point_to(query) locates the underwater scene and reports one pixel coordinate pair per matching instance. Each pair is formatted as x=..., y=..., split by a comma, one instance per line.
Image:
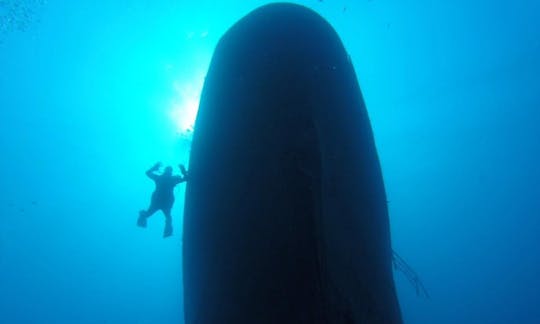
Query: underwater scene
x=316, y=161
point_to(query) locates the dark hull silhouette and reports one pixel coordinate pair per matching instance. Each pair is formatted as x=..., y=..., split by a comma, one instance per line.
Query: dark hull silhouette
x=285, y=217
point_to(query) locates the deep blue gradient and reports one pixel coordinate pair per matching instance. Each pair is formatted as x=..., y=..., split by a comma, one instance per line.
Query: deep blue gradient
x=92, y=93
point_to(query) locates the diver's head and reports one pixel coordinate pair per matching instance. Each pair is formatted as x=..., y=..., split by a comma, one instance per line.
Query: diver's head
x=168, y=171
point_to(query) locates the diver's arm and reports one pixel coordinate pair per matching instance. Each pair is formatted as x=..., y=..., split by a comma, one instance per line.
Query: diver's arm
x=150, y=172
x=181, y=178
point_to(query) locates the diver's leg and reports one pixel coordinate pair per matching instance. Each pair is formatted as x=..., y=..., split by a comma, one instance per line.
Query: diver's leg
x=168, y=223
x=144, y=214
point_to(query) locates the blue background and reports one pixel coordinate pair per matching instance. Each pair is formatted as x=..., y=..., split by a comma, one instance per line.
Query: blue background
x=92, y=93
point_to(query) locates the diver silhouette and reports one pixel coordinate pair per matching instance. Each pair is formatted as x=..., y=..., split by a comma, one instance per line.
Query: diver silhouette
x=163, y=195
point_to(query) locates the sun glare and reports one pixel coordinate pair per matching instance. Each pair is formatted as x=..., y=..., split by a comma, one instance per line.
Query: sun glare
x=185, y=104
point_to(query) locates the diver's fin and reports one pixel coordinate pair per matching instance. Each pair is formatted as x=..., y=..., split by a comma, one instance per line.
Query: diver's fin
x=141, y=221
x=168, y=231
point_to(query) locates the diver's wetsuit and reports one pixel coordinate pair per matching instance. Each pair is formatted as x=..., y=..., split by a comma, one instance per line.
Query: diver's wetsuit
x=162, y=198
x=163, y=195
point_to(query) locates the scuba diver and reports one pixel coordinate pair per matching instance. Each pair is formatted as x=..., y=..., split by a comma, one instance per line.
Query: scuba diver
x=163, y=195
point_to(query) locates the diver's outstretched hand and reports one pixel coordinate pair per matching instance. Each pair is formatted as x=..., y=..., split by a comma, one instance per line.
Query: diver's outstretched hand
x=156, y=166
x=183, y=169
x=184, y=172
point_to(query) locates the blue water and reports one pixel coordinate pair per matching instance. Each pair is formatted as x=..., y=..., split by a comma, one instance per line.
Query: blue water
x=92, y=93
